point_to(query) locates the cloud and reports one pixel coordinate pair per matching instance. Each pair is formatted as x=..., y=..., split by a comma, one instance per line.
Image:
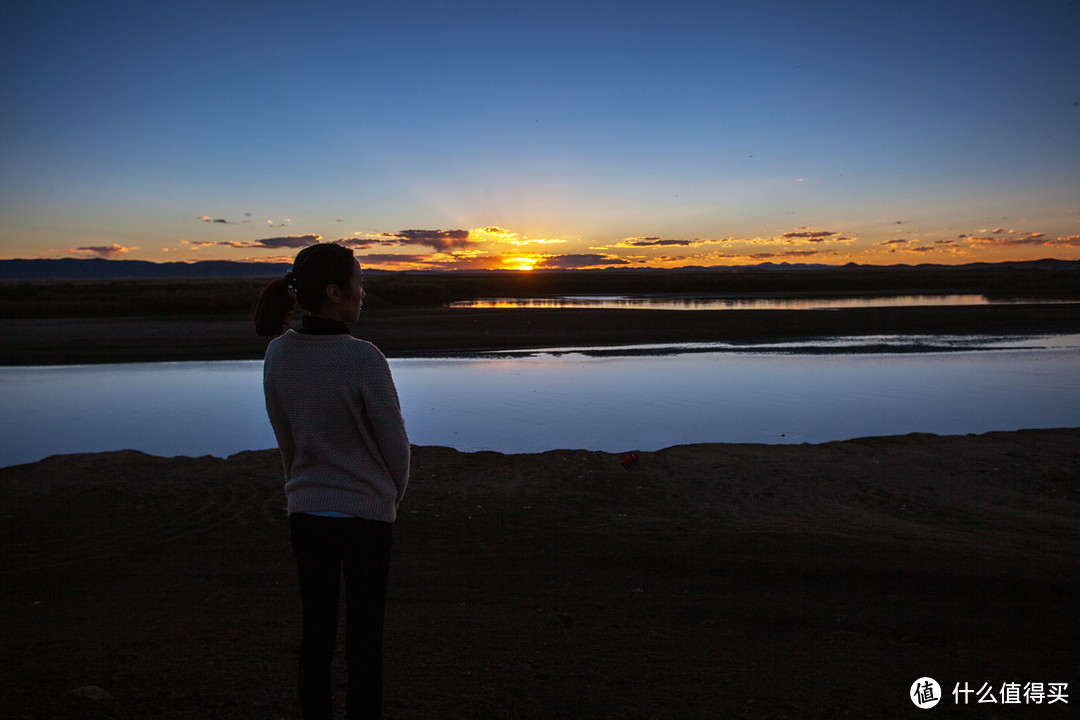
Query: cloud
x=288, y=241
x=657, y=242
x=444, y=240
x=275, y=243
x=640, y=242
x=470, y=261
x=366, y=242
x=911, y=245
x=785, y=254
x=537, y=241
x=220, y=221
x=279, y=259
x=494, y=232
x=810, y=236
x=102, y=251
x=441, y=240
x=432, y=261
x=199, y=243
x=394, y=259
x=576, y=261
x=998, y=238
x=799, y=236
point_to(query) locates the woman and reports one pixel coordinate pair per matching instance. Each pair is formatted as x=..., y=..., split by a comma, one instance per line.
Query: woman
x=337, y=419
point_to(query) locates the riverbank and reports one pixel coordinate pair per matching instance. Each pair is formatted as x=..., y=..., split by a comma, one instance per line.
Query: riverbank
x=704, y=581
x=410, y=331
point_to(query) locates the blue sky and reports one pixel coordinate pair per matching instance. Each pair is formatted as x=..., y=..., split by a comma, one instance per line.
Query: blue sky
x=547, y=134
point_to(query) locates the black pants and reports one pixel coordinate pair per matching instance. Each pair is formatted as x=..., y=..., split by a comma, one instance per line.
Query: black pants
x=324, y=548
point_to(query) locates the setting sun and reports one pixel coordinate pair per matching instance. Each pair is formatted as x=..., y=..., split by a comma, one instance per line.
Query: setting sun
x=521, y=262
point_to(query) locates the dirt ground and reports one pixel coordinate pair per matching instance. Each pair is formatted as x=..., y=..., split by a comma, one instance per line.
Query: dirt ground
x=707, y=581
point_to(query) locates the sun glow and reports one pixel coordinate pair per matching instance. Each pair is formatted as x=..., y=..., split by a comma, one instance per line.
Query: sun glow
x=494, y=233
x=521, y=262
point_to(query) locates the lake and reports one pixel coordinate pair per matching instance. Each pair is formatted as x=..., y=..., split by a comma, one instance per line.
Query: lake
x=639, y=398
x=742, y=302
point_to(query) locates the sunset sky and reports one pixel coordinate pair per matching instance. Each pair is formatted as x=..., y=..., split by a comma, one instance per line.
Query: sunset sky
x=542, y=134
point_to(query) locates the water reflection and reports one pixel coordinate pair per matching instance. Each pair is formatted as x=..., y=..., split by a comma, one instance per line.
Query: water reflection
x=565, y=398
x=815, y=346
x=676, y=302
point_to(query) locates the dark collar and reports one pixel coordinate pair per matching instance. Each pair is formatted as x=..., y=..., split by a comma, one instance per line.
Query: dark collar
x=313, y=325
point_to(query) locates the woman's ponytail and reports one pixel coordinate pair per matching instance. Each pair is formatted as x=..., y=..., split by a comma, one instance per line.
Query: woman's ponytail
x=315, y=268
x=275, y=308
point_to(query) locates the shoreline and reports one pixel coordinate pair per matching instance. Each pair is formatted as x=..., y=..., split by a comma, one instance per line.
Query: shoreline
x=414, y=331
x=710, y=580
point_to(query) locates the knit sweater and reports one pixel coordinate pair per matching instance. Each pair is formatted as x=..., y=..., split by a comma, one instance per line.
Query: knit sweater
x=337, y=419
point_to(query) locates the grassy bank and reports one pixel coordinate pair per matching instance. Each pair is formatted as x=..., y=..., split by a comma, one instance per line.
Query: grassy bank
x=237, y=298
x=407, y=331
x=132, y=321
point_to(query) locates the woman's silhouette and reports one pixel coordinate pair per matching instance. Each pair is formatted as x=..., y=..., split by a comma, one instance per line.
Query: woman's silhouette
x=337, y=420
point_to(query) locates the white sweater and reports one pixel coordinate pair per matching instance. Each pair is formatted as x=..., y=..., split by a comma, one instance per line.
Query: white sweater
x=337, y=419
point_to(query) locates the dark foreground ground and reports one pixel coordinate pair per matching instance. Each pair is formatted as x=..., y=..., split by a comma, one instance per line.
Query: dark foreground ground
x=711, y=581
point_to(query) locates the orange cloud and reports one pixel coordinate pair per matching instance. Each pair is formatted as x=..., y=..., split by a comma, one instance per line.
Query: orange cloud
x=537, y=241
x=501, y=261
x=445, y=241
x=809, y=236
x=440, y=240
x=643, y=242
x=803, y=236
x=366, y=242
x=911, y=245
x=785, y=254
x=275, y=243
x=579, y=261
x=1031, y=238
x=102, y=251
x=495, y=233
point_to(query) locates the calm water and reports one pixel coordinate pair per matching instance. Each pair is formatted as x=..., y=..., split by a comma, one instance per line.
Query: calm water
x=675, y=302
x=572, y=398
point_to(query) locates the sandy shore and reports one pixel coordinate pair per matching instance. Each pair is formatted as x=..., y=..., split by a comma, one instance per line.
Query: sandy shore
x=792, y=581
x=45, y=341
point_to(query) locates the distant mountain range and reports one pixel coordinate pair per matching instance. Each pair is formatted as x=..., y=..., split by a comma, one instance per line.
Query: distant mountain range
x=99, y=269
